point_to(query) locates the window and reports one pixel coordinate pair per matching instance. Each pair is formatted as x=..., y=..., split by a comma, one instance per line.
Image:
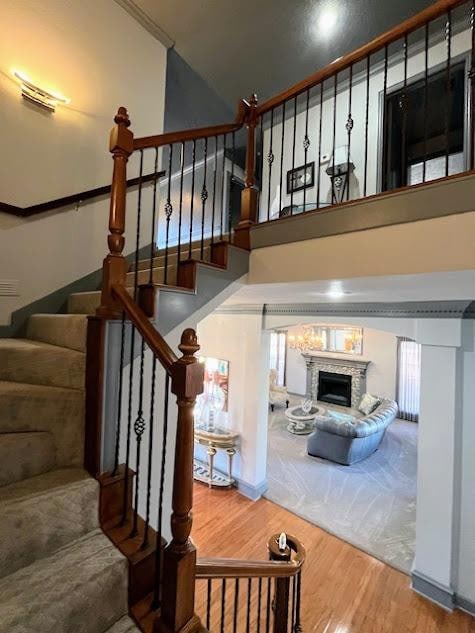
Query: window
x=408, y=379
x=420, y=132
x=278, y=345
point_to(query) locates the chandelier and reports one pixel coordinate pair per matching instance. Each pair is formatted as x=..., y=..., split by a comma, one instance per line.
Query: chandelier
x=309, y=341
x=343, y=339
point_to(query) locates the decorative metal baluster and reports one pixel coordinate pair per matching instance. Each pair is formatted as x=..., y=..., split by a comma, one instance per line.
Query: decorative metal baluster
x=150, y=452
x=472, y=86
x=223, y=603
x=231, y=185
x=448, y=40
x=268, y=605
x=192, y=201
x=282, y=139
x=306, y=144
x=270, y=161
x=236, y=604
x=293, y=155
x=208, y=604
x=426, y=97
x=223, y=189
x=366, y=128
x=248, y=614
x=385, y=122
x=119, y=396
x=137, y=235
x=403, y=105
x=259, y=605
x=292, y=608
x=319, y=146
x=349, y=127
x=180, y=203
x=158, y=550
x=154, y=217
x=261, y=162
x=297, y=625
x=139, y=428
x=168, y=211
x=335, y=89
x=214, y=187
x=204, y=197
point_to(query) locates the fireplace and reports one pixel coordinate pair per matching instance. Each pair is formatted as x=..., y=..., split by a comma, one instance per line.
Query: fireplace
x=334, y=388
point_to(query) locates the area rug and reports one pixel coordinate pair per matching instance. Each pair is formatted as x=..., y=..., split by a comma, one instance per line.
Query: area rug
x=371, y=504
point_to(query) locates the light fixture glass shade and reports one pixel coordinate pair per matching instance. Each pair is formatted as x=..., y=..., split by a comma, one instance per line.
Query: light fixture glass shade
x=36, y=94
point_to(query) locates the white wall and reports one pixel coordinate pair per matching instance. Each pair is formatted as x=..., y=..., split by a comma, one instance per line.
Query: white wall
x=378, y=347
x=97, y=55
x=461, y=43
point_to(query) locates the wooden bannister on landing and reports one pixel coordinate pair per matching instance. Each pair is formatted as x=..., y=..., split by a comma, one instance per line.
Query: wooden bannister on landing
x=436, y=10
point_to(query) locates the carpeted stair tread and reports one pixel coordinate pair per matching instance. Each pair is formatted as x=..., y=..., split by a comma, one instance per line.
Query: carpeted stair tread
x=34, y=362
x=124, y=625
x=44, y=513
x=81, y=588
x=59, y=411
x=65, y=330
x=25, y=455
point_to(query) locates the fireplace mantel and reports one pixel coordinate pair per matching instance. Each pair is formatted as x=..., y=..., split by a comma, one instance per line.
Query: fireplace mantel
x=356, y=368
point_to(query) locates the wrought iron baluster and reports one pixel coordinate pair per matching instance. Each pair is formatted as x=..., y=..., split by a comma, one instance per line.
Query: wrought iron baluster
x=119, y=396
x=403, y=102
x=137, y=235
x=180, y=203
x=236, y=604
x=268, y=604
x=231, y=185
x=248, y=614
x=208, y=603
x=192, y=200
x=282, y=140
x=365, y=186
x=158, y=550
x=214, y=187
x=154, y=217
x=204, y=197
x=306, y=144
x=293, y=155
x=223, y=603
x=349, y=128
x=335, y=90
x=150, y=452
x=385, y=122
x=426, y=99
x=139, y=428
x=125, y=499
x=319, y=146
x=292, y=608
x=472, y=87
x=448, y=39
x=297, y=625
x=259, y=605
x=270, y=161
x=168, y=211
x=223, y=189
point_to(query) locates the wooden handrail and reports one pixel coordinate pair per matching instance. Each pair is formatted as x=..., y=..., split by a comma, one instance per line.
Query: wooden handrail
x=411, y=24
x=58, y=203
x=233, y=568
x=152, y=337
x=197, y=133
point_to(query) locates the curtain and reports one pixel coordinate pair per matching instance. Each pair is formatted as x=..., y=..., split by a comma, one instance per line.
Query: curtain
x=408, y=379
x=278, y=346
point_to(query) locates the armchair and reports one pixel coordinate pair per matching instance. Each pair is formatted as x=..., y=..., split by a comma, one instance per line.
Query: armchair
x=277, y=394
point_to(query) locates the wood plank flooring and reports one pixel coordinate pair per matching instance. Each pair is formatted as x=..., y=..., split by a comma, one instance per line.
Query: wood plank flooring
x=344, y=590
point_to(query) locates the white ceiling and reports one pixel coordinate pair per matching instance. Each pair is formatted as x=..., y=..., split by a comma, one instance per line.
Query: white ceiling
x=265, y=46
x=396, y=288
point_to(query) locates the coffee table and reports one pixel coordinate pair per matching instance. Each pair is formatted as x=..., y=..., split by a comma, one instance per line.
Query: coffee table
x=302, y=423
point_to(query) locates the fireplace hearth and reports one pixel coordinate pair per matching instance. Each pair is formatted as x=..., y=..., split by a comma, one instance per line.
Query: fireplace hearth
x=334, y=388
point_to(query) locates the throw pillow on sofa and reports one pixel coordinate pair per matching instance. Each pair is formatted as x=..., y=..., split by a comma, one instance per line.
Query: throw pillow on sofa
x=368, y=404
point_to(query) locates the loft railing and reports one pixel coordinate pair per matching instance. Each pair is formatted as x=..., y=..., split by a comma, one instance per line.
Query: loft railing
x=395, y=113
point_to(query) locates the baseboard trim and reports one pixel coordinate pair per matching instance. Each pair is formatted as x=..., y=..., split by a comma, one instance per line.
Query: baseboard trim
x=252, y=492
x=434, y=591
x=465, y=605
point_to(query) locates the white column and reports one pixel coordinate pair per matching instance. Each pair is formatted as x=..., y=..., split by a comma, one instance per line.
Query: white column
x=439, y=418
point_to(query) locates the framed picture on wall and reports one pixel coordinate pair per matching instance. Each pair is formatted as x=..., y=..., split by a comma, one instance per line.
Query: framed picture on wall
x=301, y=178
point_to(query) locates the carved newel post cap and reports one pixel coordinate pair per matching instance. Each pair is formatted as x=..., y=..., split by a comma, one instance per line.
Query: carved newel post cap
x=122, y=117
x=189, y=344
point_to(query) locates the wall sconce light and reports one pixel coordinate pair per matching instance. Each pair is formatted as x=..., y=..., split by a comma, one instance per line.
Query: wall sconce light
x=340, y=170
x=39, y=96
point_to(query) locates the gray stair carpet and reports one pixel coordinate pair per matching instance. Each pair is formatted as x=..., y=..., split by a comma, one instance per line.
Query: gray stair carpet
x=58, y=572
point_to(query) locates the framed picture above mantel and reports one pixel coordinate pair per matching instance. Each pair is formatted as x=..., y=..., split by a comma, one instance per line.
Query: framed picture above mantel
x=342, y=339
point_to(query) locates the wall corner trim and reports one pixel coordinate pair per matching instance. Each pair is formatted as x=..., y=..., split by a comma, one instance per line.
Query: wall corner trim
x=252, y=492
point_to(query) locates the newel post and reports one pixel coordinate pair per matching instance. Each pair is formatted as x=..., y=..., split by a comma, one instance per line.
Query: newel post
x=250, y=194
x=179, y=558
x=279, y=550
x=115, y=265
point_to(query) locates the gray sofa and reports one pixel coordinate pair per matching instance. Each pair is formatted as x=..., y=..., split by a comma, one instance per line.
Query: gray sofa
x=349, y=439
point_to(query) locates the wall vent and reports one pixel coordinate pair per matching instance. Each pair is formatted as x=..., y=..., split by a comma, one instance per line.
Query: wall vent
x=9, y=288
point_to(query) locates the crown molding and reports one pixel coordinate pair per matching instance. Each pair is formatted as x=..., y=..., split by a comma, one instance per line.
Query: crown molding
x=146, y=21
x=458, y=309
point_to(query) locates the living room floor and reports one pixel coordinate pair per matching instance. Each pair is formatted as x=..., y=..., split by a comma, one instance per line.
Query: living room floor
x=371, y=504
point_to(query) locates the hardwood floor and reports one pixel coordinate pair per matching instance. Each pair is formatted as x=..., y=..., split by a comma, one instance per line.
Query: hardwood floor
x=344, y=590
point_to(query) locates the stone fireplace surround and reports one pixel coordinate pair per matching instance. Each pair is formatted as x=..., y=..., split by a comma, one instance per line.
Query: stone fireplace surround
x=348, y=366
